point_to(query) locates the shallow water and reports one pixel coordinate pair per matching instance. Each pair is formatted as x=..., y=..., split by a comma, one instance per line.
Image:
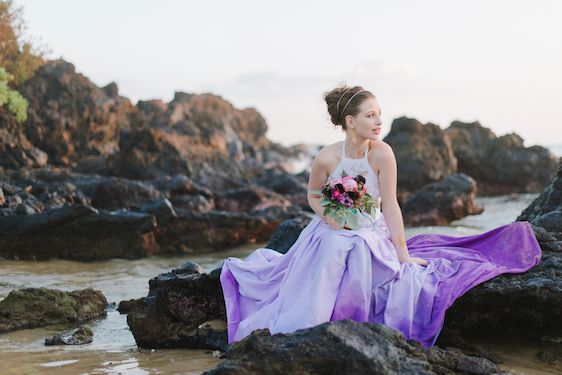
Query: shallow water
x=113, y=349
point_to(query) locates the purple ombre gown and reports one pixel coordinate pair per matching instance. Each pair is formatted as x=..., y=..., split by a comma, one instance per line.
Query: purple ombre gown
x=355, y=274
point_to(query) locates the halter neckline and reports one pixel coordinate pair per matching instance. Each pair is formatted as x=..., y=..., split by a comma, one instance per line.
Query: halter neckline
x=344, y=157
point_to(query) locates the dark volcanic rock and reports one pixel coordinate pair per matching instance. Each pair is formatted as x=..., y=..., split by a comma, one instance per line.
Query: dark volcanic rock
x=525, y=304
x=151, y=153
x=80, y=336
x=160, y=226
x=423, y=153
x=200, y=232
x=292, y=187
x=125, y=307
x=40, y=189
x=248, y=199
x=344, y=347
x=77, y=233
x=73, y=122
x=184, y=309
x=286, y=233
x=201, y=136
x=546, y=209
x=162, y=209
x=36, y=307
x=16, y=151
x=209, y=119
x=117, y=193
x=69, y=116
x=500, y=165
x=441, y=202
x=184, y=193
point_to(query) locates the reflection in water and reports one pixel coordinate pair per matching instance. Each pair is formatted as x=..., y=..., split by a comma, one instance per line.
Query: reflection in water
x=113, y=349
x=165, y=361
x=58, y=363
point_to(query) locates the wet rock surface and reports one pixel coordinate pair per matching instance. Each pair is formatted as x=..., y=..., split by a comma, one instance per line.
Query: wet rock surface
x=78, y=233
x=439, y=203
x=345, y=347
x=80, y=336
x=526, y=304
x=36, y=307
x=183, y=309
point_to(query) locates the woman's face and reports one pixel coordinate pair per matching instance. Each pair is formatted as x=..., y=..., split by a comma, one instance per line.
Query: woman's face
x=367, y=123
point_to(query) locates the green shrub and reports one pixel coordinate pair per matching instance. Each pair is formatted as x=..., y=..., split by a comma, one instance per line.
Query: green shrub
x=11, y=98
x=18, y=56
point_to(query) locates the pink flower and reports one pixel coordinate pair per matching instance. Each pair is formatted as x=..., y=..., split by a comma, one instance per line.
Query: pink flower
x=349, y=183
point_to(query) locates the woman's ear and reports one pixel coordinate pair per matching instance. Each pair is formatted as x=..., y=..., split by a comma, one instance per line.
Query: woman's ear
x=348, y=121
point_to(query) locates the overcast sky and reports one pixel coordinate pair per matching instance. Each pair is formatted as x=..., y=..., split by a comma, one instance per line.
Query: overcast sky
x=497, y=62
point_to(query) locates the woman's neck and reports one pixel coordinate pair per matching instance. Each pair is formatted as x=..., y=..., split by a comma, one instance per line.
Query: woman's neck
x=356, y=150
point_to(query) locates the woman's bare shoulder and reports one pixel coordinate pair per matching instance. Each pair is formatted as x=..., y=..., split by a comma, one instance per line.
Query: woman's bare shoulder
x=380, y=154
x=328, y=153
x=380, y=149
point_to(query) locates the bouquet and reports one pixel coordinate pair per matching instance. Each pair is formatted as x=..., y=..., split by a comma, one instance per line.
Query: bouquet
x=346, y=199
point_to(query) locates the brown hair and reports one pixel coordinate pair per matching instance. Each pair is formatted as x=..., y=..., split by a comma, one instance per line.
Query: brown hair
x=345, y=107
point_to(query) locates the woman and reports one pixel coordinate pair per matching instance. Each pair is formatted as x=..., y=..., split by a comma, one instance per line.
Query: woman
x=370, y=273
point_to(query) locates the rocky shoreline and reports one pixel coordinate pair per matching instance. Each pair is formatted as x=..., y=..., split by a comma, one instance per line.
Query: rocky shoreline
x=90, y=176
x=524, y=305
x=198, y=175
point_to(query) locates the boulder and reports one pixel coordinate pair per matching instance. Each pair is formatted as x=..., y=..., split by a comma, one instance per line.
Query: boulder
x=201, y=136
x=118, y=193
x=192, y=232
x=69, y=116
x=77, y=233
x=525, y=304
x=37, y=307
x=424, y=154
x=500, y=165
x=249, y=199
x=80, y=336
x=439, y=203
x=293, y=187
x=183, y=309
x=545, y=210
x=125, y=307
x=286, y=233
x=344, y=347
x=185, y=193
x=16, y=151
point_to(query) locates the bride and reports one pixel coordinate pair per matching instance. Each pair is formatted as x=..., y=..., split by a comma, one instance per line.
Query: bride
x=370, y=273
x=360, y=116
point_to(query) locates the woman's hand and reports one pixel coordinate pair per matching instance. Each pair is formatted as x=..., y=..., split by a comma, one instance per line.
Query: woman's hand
x=416, y=260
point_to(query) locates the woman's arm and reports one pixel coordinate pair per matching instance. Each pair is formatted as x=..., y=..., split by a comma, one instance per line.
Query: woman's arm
x=316, y=180
x=390, y=208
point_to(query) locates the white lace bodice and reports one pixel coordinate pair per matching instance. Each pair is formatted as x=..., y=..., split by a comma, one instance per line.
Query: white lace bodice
x=354, y=167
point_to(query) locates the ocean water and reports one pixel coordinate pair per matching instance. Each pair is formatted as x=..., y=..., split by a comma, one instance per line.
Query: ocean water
x=555, y=149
